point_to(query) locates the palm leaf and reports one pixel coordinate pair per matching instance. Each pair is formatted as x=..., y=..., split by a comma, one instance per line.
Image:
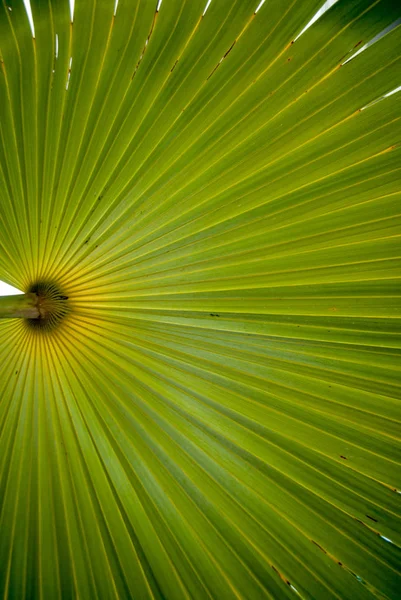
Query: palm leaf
x=216, y=413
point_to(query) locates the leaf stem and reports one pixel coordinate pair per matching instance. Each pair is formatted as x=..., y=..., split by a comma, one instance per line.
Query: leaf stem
x=19, y=306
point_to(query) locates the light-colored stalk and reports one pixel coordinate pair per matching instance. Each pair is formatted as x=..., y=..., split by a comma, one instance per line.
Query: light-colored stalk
x=19, y=306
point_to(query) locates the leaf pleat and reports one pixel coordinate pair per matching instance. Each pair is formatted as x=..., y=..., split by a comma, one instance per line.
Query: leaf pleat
x=218, y=413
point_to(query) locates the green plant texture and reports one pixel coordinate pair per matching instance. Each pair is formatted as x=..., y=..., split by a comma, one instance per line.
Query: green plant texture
x=207, y=207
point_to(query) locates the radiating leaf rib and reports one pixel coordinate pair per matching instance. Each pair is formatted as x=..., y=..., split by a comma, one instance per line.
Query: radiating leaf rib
x=217, y=413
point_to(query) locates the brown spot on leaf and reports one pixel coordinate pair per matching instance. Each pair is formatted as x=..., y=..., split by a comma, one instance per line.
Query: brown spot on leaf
x=372, y=518
x=146, y=44
x=319, y=546
x=230, y=48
